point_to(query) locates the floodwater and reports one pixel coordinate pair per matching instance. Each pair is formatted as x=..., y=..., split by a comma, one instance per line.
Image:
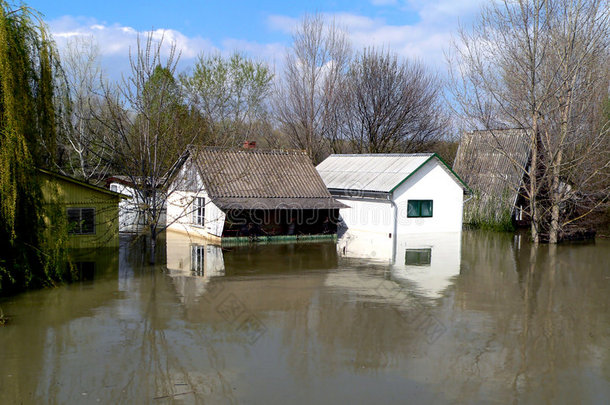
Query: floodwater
x=467, y=318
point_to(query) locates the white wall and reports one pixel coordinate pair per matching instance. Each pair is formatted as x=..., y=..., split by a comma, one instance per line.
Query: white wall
x=129, y=221
x=180, y=209
x=431, y=182
x=365, y=245
x=368, y=216
x=428, y=279
x=433, y=279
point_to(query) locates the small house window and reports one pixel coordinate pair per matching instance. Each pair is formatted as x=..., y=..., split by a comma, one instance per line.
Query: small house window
x=81, y=221
x=419, y=208
x=418, y=257
x=199, y=212
x=114, y=187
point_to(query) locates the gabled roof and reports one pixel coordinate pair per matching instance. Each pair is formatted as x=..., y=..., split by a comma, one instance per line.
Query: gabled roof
x=81, y=183
x=492, y=159
x=265, y=179
x=493, y=163
x=376, y=172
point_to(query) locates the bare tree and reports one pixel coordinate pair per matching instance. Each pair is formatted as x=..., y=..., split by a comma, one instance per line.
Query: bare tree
x=86, y=158
x=152, y=130
x=308, y=101
x=231, y=94
x=391, y=105
x=541, y=64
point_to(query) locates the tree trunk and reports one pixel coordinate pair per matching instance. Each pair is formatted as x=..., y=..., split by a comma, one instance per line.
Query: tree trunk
x=152, y=254
x=533, y=174
x=555, y=200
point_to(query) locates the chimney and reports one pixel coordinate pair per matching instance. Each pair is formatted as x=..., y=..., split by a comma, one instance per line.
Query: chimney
x=249, y=144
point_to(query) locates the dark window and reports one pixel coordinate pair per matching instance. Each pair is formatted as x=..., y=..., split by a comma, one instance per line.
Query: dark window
x=419, y=208
x=199, y=213
x=418, y=257
x=81, y=221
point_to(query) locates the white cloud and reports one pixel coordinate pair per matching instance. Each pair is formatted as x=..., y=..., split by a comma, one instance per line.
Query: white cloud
x=426, y=39
x=116, y=41
x=282, y=23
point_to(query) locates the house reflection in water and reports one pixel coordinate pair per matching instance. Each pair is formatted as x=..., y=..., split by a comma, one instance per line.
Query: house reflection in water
x=192, y=262
x=426, y=263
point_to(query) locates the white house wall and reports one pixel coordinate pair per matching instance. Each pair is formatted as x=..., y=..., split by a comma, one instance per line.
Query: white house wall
x=180, y=215
x=128, y=210
x=368, y=216
x=365, y=245
x=431, y=182
x=429, y=279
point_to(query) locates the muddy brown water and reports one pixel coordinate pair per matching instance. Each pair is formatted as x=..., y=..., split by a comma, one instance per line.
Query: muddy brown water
x=471, y=318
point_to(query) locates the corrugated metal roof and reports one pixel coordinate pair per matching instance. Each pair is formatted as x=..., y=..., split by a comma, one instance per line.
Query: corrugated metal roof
x=369, y=172
x=492, y=162
x=268, y=179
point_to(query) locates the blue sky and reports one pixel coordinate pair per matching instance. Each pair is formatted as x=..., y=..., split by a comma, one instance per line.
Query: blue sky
x=411, y=28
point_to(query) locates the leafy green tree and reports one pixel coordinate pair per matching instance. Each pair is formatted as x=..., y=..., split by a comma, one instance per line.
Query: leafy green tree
x=231, y=94
x=29, y=70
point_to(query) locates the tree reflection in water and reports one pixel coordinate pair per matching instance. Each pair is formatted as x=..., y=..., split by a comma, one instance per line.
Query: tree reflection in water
x=478, y=317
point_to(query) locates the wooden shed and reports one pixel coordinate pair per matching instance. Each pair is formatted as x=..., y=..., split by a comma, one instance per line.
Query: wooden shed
x=493, y=163
x=92, y=212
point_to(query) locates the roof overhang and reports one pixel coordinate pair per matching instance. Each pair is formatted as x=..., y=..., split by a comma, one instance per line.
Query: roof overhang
x=270, y=204
x=358, y=194
x=445, y=167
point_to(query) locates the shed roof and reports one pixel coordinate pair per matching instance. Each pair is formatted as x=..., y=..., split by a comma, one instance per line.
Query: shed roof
x=375, y=172
x=81, y=183
x=493, y=164
x=263, y=179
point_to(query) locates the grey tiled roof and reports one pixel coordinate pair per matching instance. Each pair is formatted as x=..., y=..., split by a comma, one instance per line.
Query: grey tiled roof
x=265, y=179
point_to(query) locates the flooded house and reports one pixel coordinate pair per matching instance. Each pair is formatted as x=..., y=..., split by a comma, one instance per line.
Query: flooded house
x=92, y=212
x=493, y=163
x=241, y=195
x=395, y=194
x=131, y=217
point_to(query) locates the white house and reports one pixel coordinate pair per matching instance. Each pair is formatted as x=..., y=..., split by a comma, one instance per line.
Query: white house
x=228, y=193
x=131, y=218
x=395, y=193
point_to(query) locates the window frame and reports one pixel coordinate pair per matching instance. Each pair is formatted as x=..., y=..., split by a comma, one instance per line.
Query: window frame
x=422, y=256
x=199, y=211
x=79, y=224
x=418, y=204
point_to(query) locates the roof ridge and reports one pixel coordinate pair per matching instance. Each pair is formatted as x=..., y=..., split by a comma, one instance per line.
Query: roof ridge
x=255, y=150
x=383, y=154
